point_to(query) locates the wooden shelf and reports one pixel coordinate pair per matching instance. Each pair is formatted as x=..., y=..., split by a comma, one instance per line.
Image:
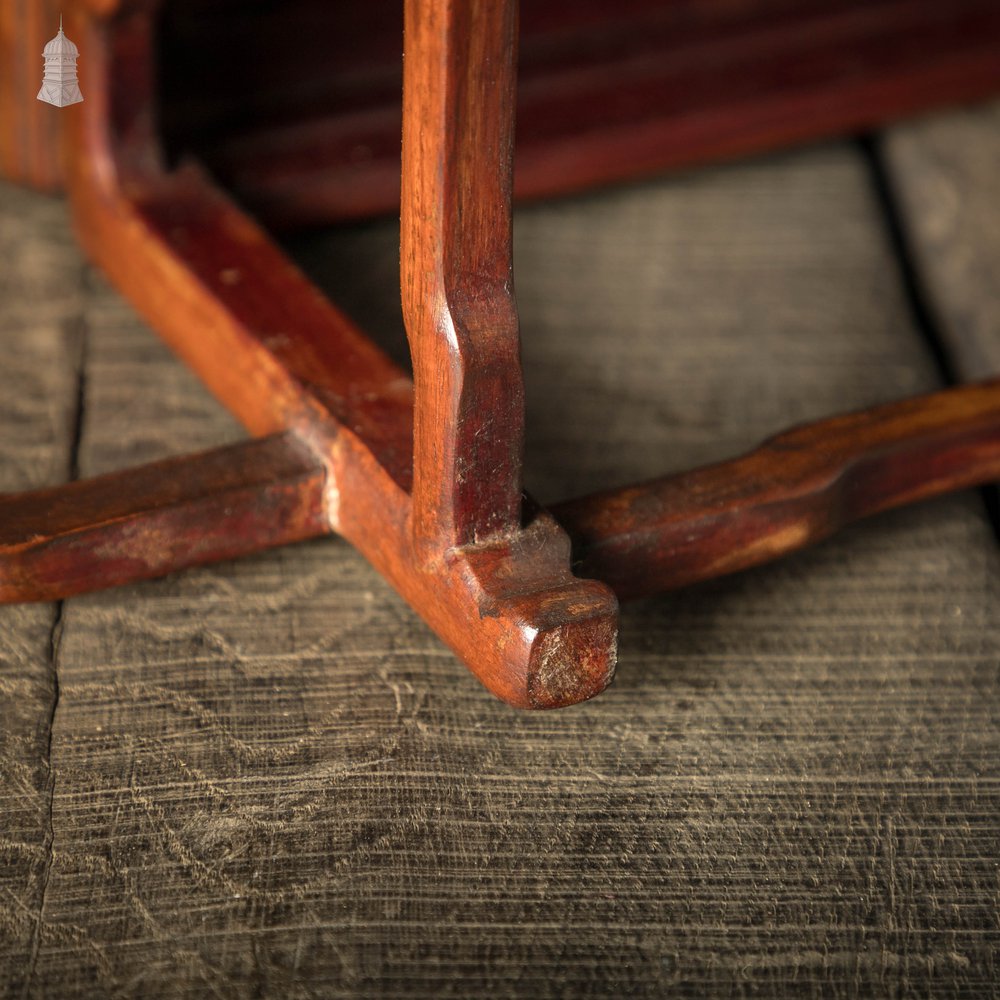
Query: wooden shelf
x=296, y=107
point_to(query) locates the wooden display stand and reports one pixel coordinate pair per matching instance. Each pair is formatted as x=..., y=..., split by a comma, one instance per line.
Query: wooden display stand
x=424, y=476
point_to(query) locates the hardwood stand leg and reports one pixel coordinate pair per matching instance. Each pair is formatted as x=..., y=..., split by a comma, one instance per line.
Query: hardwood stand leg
x=459, y=98
x=425, y=480
x=456, y=270
x=285, y=360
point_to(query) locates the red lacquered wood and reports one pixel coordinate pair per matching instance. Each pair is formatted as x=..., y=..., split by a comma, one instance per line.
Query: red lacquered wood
x=607, y=91
x=340, y=414
x=456, y=271
x=165, y=516
x=794, y=490
x=282, y=358
x=756, y=77
x=265, y=340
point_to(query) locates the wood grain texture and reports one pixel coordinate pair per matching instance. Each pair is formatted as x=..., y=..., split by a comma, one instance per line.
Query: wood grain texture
x=172, y=238
x=457, y=283
x=159, y=518
x=283, y=358
x=42, y=332
x=271, y=778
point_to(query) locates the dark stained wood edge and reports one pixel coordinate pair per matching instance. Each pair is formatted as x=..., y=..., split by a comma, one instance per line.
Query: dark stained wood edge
x=796, y=489
x=161, y=517
x=606, y=94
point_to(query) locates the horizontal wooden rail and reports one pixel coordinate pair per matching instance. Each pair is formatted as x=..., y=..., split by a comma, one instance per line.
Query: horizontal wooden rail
x=165, y=516
x=795, y=489
x=606, y=90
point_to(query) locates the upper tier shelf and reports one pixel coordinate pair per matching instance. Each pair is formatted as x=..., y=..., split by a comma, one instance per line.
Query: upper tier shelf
x=296, y=106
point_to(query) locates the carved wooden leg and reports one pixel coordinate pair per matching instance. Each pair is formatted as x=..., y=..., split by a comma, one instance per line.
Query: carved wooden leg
x=458, y=302
x=283, y=359
x=456, y=270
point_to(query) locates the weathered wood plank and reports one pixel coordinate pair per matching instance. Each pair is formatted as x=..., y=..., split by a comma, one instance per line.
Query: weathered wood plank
x=946, y=175
x=41, y=332
x=273, y=779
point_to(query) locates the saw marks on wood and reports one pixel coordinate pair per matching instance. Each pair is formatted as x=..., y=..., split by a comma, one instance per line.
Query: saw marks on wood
x=42, y=334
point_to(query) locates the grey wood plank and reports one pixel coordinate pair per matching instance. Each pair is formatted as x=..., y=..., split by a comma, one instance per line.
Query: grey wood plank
x=946, y=174
x=273, y=780
x=41, y=335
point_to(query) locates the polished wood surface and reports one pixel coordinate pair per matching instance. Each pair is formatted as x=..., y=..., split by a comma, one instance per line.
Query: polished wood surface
x=457, y=273
x=144, y=522
x=606, y=92
x=426, y=478
x=792, y=491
